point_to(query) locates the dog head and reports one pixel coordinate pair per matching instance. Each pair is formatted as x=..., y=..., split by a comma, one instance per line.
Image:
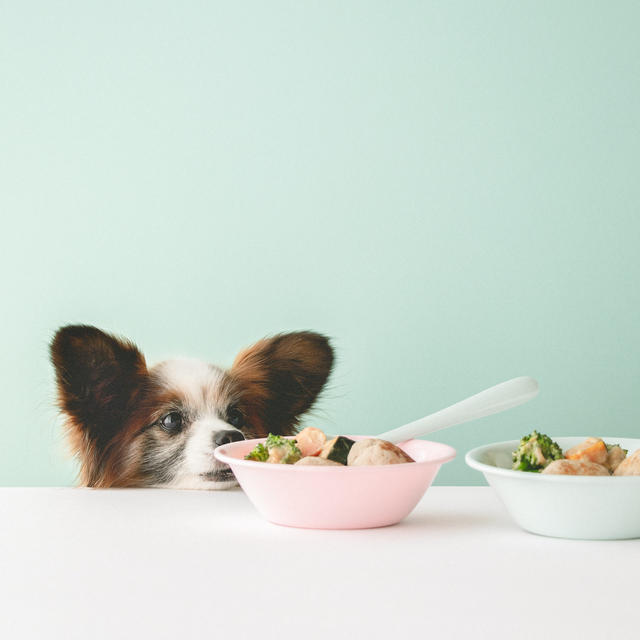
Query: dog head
x=131, y=425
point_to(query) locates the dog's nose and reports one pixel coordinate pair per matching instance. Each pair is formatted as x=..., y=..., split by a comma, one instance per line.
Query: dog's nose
x=225, y=437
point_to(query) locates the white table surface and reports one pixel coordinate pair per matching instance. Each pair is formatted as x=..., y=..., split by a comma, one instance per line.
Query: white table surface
x=81, y=563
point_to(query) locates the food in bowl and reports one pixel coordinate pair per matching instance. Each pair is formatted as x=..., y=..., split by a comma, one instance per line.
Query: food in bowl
x=276, y=450
x=322, y=494
x=588, y=507
x=311, y=441
x=337, y=449
x=535, y=452
x=538, y=453
x=575, y=468
x=629, y=466
x=376, y=451
x=311, y=448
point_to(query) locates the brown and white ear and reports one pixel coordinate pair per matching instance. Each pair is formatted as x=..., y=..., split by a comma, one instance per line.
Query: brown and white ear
x=98, y=376
x=280, y=378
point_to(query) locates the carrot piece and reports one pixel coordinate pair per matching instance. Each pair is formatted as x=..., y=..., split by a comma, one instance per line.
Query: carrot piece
x=592, y=449
x=310, y=441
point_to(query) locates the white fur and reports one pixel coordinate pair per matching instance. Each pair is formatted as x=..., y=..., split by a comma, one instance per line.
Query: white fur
x=198, y=385
x=199, y=448
x=195, y=380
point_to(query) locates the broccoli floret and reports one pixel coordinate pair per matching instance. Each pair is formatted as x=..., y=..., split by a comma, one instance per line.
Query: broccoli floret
x=276, y=449
x=282, y=450
x=259, y=453
x=276, y=441
x=535, y=452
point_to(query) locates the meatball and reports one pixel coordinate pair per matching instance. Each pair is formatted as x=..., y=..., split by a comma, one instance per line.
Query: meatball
x=629, y=466
x=372, y=451
x=615, y=456
x=575, y=468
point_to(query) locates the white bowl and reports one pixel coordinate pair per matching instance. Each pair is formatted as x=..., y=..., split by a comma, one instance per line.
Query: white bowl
x=582, y=507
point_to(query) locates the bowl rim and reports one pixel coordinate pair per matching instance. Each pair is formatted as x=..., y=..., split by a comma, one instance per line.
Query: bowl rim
x=471, y=459
x=221, y=455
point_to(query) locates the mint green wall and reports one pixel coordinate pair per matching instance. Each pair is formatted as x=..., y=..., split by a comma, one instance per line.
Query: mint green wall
x=451, y=190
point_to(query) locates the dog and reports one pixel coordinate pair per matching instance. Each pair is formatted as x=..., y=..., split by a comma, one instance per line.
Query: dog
x=130, y=425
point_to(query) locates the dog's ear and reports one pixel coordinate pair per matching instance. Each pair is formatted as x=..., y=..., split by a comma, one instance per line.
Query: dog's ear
x=281, y=377
x=97, y=375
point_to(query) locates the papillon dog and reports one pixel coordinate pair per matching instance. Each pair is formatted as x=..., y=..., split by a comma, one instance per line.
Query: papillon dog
x=131, y=425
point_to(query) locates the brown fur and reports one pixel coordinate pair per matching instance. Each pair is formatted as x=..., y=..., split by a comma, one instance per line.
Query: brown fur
x=281, y=378
x=110, y=398
x=100, y=379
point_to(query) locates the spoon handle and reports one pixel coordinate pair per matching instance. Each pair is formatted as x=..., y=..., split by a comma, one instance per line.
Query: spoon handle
x=493, y=400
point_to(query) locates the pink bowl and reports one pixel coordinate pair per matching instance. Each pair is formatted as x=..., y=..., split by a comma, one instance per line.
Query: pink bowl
x=336, y=497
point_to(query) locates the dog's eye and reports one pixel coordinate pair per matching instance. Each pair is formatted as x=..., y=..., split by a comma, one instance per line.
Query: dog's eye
x=235, y=418
x=172, y=422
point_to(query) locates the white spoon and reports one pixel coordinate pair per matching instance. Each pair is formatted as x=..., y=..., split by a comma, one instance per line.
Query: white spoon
x=493, y=400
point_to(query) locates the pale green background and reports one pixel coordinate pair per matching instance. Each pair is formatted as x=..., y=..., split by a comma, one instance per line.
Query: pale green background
x=450, y=190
